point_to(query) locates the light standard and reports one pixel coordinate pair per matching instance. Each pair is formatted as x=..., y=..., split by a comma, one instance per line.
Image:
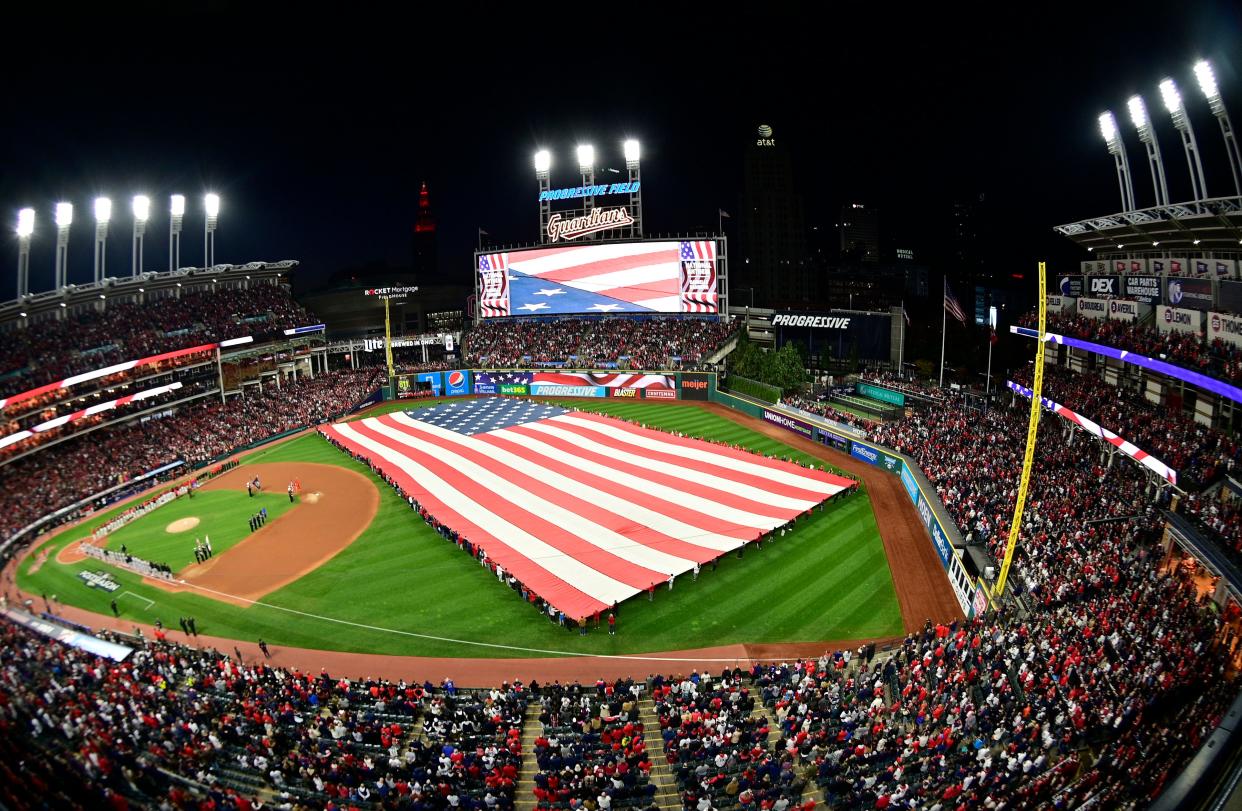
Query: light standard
x=586, y=164
x=25, y=227
x=1108, y=128
x=1173, y=103
x=103, y=213
x=174, y=231
x=632, y=152
x=64, y=219
x=543, y=167
x=211, y=204
x=142, y=211
x=1142, y=123
x=1207, y=83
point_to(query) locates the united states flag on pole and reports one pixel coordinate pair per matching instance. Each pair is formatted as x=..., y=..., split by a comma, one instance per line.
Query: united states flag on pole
x=584, y=509
x=494, y=285
x=951, y=304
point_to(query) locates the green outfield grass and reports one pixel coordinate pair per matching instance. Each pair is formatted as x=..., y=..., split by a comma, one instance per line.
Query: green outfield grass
x=224, y=515
x=400, y=582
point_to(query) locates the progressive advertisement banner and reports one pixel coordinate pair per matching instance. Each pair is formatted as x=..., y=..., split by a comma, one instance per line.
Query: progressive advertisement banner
x=1195, y=294
x=1224, y=327
x=1175, y=319
x=883, y=395
x=694, y=386
x=557, y=390
x=836, y=333
x=789, y=423
x=1093, y=308
x=1143, y=288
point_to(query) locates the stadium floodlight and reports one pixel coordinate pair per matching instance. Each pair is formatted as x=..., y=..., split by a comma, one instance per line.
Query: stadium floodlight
x=1207, y=83
x=25, y=229
x=103, y=213
x=64, y=219
x=586, y=157
x=631, y=151
x=211, y=205
x=1177, y=111
x=543, y=162
x=142, y=212
x=177, y=210
x=1117, y=148
x=632, y=154
x=1147, y=135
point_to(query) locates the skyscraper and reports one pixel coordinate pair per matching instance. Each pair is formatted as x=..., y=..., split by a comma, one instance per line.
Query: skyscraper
x=860, y=233
x=425, y=265
x=773, y=223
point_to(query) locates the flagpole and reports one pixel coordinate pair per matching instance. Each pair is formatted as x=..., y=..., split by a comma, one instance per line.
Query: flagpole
x=944, y=312
x=988, y=387
x=901, y=344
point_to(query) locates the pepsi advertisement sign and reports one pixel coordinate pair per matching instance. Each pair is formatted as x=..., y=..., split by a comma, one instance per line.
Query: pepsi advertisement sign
x=457, y=383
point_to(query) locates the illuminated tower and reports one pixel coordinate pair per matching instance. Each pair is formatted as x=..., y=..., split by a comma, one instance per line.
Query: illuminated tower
x=425, y=260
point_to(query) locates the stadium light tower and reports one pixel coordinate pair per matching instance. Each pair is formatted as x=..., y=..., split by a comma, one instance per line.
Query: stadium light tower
x=1147, y=135
x=1108, y=128
x=25, y=228
x=174, y=230
x=586, y=164
x=1173, y=103
x=142, y=212
x=211, y=204
x=64, y=219
x=632, y=153
x=1207, y=83
x=103, y=213
x=543, y=169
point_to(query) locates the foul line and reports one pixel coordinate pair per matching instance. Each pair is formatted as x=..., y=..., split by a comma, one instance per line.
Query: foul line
x=140, y=597
x=456, y=641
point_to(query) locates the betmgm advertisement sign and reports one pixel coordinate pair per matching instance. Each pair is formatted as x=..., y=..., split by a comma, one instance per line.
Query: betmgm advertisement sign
x=837, y=334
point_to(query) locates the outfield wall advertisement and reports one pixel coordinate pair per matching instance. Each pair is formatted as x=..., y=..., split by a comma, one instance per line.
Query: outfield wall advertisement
x=694, y=386
x=883, y=395
x=790, y=423
x=874, y=455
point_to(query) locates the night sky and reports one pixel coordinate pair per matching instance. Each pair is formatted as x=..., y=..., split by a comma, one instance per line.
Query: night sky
x=317, y=131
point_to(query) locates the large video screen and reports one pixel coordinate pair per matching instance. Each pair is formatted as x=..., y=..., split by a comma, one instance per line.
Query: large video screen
x=626, y=277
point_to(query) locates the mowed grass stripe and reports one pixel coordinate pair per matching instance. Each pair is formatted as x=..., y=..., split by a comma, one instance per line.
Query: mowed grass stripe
x=399, y=574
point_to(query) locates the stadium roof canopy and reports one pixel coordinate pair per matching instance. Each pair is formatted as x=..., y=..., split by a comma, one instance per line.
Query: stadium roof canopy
x=1203, y=225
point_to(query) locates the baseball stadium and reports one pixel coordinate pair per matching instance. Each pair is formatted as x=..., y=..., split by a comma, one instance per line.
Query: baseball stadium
x=583, y=532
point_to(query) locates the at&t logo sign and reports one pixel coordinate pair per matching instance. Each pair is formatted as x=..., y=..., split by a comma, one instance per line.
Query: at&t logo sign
x=765, y=136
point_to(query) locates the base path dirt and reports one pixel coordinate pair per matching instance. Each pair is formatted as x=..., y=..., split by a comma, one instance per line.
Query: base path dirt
x=335, y=506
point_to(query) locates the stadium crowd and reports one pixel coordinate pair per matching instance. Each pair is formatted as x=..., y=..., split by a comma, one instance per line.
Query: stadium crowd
x=1190, y=350
x=85, y=341
x=1199, y=454
x=652, y=343
x=63, y=474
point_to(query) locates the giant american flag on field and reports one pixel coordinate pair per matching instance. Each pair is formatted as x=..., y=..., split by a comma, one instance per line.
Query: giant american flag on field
x=628, y=277
x=584, y=509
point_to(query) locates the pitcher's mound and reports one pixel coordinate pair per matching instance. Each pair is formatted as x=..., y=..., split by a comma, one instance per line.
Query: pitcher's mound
x=182, y=525
x=312, y=498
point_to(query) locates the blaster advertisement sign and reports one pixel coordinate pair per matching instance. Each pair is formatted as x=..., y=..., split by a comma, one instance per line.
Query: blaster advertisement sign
x=789, y=423
x=1225, y=327
x=457, y=383
x=1195, y=294
x=490, y=382
x=1093, y=308
x=1143, y=288
x=627, y=392
x=1174, y=319
x=694, y=386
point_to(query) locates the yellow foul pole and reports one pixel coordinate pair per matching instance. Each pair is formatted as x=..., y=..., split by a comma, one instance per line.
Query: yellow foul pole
x=1031, y=432
x=388, y=339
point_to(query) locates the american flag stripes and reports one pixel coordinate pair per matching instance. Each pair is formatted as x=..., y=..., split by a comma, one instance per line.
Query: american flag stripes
x=698, y=277
x=583, y=509
x=494, y=285
x=951, y=304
